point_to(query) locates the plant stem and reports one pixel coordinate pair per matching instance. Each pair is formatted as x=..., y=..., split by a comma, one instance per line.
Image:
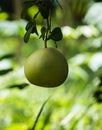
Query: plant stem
x=48, y=22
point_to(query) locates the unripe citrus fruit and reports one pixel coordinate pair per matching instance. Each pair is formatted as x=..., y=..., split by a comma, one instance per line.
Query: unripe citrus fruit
x=46, y=67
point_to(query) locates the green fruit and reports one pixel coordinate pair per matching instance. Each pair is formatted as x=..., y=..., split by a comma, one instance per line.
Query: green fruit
x=46, y=67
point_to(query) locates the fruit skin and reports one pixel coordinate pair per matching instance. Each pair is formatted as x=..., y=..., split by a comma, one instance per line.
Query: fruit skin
x=46, y=67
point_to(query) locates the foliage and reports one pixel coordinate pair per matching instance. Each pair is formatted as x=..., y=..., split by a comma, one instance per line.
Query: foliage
x=74, y=105
x=45, y=8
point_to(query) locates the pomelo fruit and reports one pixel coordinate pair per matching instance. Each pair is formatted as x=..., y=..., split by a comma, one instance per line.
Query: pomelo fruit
x=46, y=67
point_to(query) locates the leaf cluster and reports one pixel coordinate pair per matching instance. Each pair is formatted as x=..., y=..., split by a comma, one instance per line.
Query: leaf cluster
x=30, y=28
x=45, y=9
x=55, y=34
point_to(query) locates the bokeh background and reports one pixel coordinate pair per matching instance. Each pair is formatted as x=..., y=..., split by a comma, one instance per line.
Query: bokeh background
x=77, y=103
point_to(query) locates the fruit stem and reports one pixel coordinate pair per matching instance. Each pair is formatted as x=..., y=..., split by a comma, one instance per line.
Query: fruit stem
x=48, y=22
x=45, y=43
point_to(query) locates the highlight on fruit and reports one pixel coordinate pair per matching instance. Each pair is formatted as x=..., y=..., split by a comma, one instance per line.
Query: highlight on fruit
x=46, y=67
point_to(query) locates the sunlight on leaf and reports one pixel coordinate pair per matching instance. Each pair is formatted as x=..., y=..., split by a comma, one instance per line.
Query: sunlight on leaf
x=93, y=16
x=17, y=127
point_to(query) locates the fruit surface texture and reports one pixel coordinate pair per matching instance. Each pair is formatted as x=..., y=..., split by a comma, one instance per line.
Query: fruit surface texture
x=46, y=67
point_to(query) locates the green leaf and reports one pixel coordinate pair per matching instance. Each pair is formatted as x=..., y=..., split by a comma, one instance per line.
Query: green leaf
x=29, y=25
x=27, y=35
x=44, y=11
x=19, y=86
x=33, y=26
x=34, y=30
x=43, y=31
x=37, y=118
x=30, y=28
x=6, y=56
x=56, y=34
x=5, y=71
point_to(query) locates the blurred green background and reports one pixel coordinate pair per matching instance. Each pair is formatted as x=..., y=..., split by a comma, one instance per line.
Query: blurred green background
x=77, y=103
